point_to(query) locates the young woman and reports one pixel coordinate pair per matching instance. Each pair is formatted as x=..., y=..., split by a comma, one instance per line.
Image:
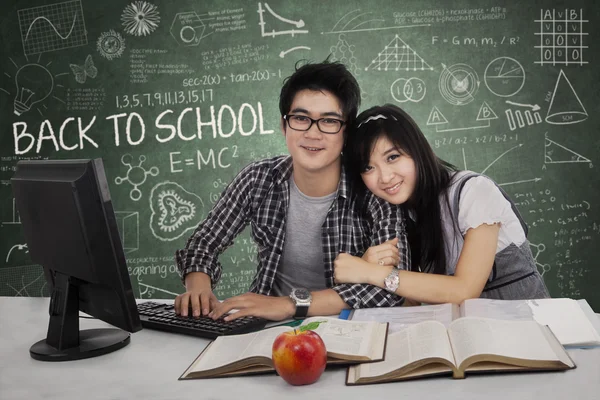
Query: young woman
x=468, y=237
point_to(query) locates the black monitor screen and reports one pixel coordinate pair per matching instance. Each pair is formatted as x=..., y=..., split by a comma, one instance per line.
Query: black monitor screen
x=70, y=228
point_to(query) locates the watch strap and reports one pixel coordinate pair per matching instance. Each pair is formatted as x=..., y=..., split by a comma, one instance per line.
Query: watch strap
x=301, y=311
x=302, y=303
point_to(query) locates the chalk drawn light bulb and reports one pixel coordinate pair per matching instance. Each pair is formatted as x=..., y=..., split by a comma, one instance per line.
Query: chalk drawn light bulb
x=34, y=84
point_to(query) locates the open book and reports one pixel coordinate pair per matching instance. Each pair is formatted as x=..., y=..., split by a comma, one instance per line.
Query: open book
x=347, y=342
x=572, y=321
x=467, y=345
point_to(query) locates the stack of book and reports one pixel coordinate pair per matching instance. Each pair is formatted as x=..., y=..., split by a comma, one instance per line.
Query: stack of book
x=393, y=344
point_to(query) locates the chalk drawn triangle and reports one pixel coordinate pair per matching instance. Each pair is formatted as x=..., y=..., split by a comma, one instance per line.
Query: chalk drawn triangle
x=398, y=55
x=436, y=117
x=555, y=153
x=486, y=113
x=565, y=106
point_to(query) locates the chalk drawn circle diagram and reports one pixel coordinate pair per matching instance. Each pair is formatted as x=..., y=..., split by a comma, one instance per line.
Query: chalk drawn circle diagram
x=140, y=18
x=136, y=175
x=412, y=89
x=458, y=84
x=110, y=45
x=504, y=76
x=187, y=34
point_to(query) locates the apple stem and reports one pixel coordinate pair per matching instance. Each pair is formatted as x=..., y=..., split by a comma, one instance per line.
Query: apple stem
x=295, y=331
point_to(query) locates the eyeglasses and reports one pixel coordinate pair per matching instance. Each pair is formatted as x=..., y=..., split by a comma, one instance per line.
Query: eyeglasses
x=304, y=123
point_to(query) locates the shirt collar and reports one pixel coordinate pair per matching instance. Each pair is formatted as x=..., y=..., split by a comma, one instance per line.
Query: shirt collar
x=284, y=168
x=344, y=185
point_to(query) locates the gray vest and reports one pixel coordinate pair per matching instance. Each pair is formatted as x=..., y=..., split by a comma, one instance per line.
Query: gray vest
x=514, y=275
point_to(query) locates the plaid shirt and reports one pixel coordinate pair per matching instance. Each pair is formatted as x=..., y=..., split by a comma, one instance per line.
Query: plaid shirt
x=259, y=196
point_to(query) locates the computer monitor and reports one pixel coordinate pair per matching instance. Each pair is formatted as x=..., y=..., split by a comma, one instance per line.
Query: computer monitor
x=69, y=224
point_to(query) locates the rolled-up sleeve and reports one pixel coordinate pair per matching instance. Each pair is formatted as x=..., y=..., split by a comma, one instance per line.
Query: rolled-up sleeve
x=216, y=233
x=367, y=296
x=388, y=222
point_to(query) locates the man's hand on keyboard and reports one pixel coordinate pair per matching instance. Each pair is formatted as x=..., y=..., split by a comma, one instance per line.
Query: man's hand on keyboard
x=257, y=305
x=198, y=296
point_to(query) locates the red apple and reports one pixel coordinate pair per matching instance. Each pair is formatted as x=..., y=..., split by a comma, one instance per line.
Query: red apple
x=299, y=356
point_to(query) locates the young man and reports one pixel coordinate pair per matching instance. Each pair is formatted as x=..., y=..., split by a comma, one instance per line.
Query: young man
x=302, y=214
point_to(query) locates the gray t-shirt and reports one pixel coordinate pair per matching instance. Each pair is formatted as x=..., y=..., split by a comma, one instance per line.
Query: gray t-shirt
x=302, y=260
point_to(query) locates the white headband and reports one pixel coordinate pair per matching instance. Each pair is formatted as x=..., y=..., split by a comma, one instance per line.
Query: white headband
x=375, y=117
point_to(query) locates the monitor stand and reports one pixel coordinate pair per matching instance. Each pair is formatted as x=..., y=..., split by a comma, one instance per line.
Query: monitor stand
x=65, y=342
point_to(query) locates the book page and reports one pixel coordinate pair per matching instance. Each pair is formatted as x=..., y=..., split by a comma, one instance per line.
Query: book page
x=402, y=317
x=498, y=309
x=229, y=349
x=590, y=314
x=567, y=320
x=344, y=337
x=518, y=339
x=564, y=316
x=416, y=342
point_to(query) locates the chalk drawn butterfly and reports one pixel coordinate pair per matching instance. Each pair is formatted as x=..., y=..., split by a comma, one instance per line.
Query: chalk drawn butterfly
x=81, y=72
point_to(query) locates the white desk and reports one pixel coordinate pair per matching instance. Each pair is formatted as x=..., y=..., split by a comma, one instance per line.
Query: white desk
x=149, y=366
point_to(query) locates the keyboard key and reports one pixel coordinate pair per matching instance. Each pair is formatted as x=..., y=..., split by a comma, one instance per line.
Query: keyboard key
x=162, y=317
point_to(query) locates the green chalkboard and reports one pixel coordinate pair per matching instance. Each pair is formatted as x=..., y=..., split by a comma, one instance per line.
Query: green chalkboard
x=177, y=97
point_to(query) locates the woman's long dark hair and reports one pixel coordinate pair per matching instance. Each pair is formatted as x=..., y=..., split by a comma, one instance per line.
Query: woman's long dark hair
x=433, y=175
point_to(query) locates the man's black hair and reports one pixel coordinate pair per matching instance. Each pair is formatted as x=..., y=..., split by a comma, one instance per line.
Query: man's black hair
x=331, y=76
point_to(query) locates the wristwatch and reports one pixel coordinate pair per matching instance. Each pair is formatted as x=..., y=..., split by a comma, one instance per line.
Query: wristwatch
x=392, y=280
x=302, y=299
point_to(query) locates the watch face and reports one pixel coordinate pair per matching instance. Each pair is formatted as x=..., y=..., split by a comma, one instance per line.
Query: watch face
x=301, y=294
x=392, y=281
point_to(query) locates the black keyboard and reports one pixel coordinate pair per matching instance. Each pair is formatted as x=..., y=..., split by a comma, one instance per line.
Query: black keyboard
x=162, y=317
